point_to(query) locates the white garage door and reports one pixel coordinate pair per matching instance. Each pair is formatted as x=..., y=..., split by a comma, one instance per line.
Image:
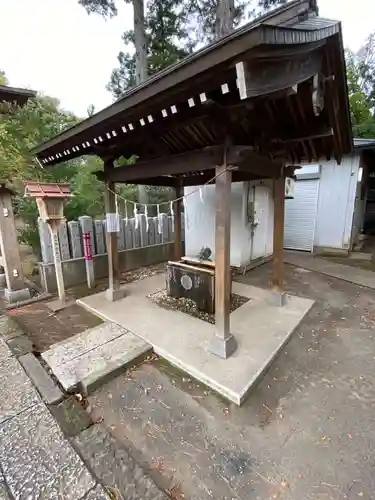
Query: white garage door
x=300, y=216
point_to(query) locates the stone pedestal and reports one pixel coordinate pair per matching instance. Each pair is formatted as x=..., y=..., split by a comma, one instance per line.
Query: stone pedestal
x=276, y=298
x=114, y=294
x=15, y=290
x=10, y=255
x=223, y=347
x=14, y=296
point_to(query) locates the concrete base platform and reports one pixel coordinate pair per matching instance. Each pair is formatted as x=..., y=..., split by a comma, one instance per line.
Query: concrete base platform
x=261, y=330
x=14, y=296
x=89, y=357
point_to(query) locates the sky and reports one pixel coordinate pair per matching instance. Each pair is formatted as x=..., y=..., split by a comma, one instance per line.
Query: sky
x=55, y=47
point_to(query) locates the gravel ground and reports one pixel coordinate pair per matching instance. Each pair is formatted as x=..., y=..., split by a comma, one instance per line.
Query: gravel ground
x=188, y=306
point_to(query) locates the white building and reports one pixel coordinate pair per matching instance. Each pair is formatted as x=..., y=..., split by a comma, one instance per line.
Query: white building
x=330, y=202
x=327, y=212
x=251, y=221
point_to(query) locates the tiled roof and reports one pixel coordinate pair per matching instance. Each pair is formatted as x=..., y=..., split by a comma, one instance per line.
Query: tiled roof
x=34, y=189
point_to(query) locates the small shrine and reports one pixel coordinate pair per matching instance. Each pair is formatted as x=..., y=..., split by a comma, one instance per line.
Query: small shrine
x=50, y=199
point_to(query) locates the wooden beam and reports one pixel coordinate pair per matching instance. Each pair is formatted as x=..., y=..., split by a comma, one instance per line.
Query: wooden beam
x=253, y=78
x=258, y=165
x=188, y=180
x=194, y=161
x=113, y=264
x=278, y=233
x=223, y=344
x=179, y=193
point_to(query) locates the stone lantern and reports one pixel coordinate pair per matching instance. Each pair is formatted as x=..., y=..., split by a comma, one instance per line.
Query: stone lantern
x=15, y=290
x=50, y=202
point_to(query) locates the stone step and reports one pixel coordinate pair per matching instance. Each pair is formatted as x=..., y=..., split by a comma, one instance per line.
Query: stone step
x=87, y=359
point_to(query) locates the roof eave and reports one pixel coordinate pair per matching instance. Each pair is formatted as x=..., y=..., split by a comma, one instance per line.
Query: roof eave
x=304, y=7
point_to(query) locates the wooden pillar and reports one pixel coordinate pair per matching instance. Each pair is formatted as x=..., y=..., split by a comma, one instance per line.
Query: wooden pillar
x=224, y=343
x=278, y=240
x=179, y=192
x=113, y=292
x=54, y=228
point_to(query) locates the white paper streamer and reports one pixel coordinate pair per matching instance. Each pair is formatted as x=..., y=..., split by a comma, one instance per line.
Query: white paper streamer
x=159, y=221
x=201, y=194
x=136, y=216
x=146, y=215
x=112, y=223
x=116, y=203
x=126, y=210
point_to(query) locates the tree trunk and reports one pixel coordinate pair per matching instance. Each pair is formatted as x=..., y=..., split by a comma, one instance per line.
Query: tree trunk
x=224, y=18
x=140, y=41
x=141, y=69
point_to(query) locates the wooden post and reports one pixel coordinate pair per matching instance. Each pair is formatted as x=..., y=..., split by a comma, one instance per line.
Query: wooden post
x=278, y=297
x=113, y=292
x=224, y=343
x=179, y=192
x=54, y=226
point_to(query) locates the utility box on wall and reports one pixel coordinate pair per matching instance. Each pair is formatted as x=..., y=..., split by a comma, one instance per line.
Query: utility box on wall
x=251, y=221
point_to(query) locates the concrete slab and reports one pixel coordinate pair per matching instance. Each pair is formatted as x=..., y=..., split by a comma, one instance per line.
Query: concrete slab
x=5, y=352
x=3, y=492
x=93, y=355
x=323, y=266
x=38, y=462
x=56, y=305
x=17, y=392
x=97, y=494
x=260, y=329
x=114, y=466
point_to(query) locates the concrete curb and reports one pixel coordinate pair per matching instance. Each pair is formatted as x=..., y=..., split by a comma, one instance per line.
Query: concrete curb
x=49, y=391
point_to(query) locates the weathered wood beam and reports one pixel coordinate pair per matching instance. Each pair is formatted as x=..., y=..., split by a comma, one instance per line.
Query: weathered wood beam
x=179, y=193
x=113, y=292
x=254, y=80
x=309, y=134
x=201, y=160
x=278, y=234
x=223, y=344
x=189, y=180
x=333, y=112
x=194, y=161
x=258, y=165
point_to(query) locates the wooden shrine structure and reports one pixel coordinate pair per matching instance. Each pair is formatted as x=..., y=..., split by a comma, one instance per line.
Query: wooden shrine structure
x=252, y=105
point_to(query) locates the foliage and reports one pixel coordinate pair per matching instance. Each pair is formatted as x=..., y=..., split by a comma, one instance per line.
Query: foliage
x=165, y=24
x=21, y=128
x=3, y=78
x=174, y=29
x=106, y=8
x=361, y=88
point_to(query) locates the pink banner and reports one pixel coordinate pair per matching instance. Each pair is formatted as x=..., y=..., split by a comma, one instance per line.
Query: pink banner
x=87, y=249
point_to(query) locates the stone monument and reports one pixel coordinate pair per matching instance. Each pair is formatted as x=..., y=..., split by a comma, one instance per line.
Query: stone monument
x=15, y=290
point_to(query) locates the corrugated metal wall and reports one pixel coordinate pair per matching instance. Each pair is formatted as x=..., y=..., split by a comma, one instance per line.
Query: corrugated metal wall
x=337, y=190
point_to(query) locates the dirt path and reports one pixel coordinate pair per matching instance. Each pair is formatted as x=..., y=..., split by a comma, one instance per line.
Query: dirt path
x=306, y=432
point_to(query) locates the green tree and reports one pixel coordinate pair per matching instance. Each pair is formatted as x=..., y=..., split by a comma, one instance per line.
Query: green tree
x=361, y=88
x=21, y=128
x=165, y=23
x=3, y=78
x=209, y=20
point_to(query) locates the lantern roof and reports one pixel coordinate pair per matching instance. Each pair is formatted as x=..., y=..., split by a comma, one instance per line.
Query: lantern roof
x=35, y=189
